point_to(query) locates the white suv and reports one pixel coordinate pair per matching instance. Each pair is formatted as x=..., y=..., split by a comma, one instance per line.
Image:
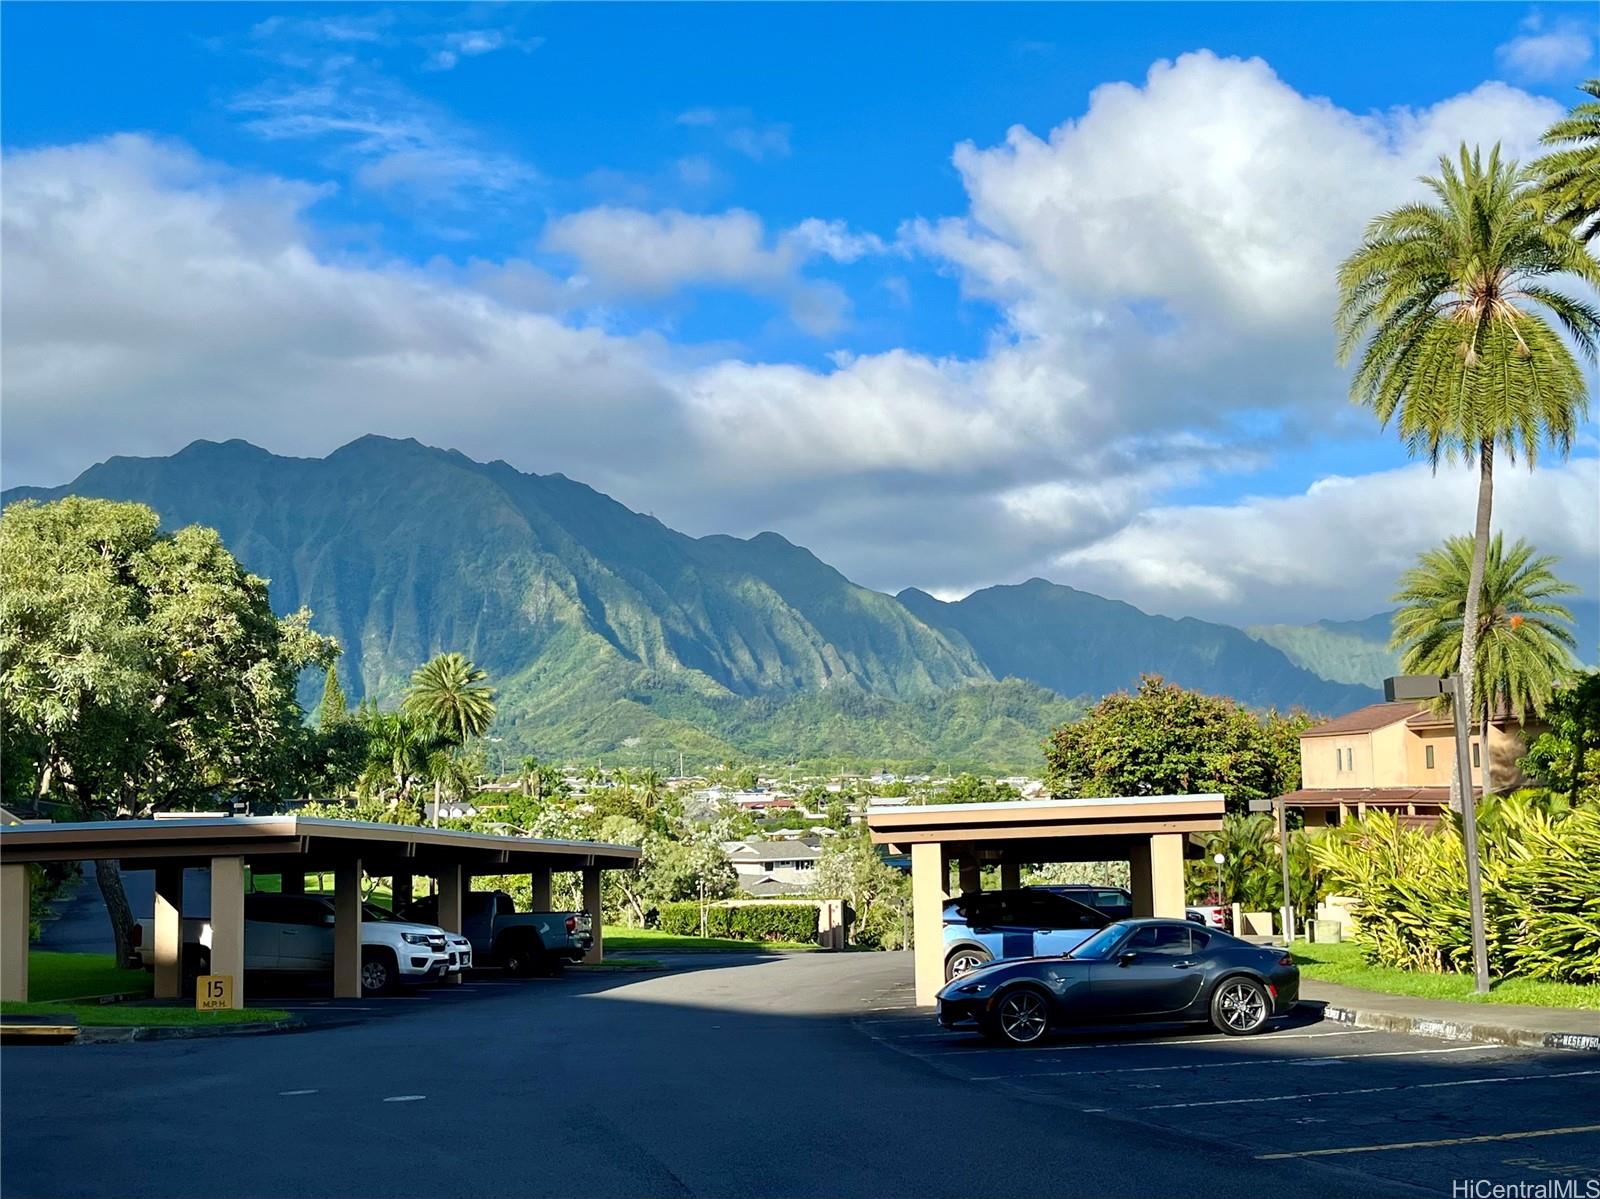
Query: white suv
x=294, y=934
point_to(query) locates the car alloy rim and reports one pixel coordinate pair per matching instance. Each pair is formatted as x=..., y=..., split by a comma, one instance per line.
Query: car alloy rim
x=373, y=975
x=1242, y=1006
x=1022, y=1016
x=965, y=962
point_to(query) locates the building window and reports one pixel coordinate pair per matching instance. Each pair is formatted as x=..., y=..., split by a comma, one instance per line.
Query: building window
x=1475, y=761
x=1427, y=756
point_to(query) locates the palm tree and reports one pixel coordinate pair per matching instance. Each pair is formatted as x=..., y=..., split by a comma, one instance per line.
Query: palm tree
x=1569, y=178
x=1522, y=643
x=399, y=749
x=1450, y=303
x=448, y=693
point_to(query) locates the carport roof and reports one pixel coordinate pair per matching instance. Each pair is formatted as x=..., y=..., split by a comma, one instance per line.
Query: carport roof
x=1049, y=829
x=303, y=842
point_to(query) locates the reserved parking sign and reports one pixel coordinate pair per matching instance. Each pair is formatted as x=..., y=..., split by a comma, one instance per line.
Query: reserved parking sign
x=212, y=992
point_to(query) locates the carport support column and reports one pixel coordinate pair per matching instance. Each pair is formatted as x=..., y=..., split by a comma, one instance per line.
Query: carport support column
x=15, y=890
x=971, y=876
x=591, y=904
x=227, y=922
x=1160, y=883
x=541, y=888
x=927, y=918
x=168, y=947
x=347, y=930
x=452, y=897
x=1010, y=876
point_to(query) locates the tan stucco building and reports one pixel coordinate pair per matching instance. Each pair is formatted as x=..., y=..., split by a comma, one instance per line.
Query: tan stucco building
x=1398, y=757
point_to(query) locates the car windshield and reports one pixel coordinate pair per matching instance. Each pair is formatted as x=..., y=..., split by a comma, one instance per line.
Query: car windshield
x=1099, y=945
x=371, y=911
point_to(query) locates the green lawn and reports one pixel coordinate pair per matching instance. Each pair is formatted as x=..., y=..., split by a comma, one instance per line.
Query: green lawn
x=1341, y=963
x=123, y=1015
x=620, y=938
x=318, y=884
x=53, y=976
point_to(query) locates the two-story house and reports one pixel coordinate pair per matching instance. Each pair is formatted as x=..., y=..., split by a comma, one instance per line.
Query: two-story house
x=774, y=867
x=1398, y=757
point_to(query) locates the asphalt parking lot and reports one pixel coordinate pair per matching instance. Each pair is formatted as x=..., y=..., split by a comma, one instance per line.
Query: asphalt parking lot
x=744, y=1075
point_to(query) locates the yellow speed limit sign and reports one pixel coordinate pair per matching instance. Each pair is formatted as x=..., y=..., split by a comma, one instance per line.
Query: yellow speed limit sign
x=213, y=992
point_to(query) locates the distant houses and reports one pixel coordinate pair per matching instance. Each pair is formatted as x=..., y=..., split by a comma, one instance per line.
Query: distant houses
x=766, y=868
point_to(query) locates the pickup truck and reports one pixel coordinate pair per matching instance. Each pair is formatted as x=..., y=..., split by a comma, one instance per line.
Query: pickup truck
x=521, y=942
x=294, y=934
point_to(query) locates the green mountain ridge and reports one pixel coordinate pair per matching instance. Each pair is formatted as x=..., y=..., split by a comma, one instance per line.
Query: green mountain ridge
x=609, y=634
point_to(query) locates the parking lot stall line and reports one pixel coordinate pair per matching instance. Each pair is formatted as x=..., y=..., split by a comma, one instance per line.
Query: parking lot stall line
x=1443, y=1143
x=1249, y=1061
x=1417, y=1086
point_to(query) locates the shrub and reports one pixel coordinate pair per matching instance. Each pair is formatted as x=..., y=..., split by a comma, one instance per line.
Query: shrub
x=754, y=922
x=1541, y=887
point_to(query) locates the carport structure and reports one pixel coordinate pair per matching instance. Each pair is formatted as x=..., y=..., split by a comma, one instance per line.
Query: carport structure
x=1151, y=833
x=290, y=847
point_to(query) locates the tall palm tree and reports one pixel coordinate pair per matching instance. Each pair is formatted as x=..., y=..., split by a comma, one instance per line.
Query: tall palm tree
x=448, y=693
x=1450, y=304
x=1523, y=643
x=399, y=749
x=1569, y=178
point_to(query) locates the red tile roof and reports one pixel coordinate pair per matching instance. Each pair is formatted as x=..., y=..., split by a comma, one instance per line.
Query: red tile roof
x=1365, y=720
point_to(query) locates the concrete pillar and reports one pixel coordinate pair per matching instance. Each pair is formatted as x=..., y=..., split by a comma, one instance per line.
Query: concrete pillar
x=452, y=886
x=16, y=889
x=1166, y=875
x=168, y=947
x=292, y=882
x=453, y=882
x=347, y=930
x=541, y=889
x=971, y=876
x=227, y=922
x=401, y=888
x=927, y=919
x=591, y=904
x=1010, y=876
x=1139, y=879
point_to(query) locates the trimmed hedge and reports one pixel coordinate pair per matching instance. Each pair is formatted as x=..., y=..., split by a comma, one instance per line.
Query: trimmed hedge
x=753, y=922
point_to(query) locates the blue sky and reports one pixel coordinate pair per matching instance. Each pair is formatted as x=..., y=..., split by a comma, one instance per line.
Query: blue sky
x=952, y=294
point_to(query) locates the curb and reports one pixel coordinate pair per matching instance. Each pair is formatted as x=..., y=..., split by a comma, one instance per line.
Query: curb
x=1481, y=1032
x=112, y=1035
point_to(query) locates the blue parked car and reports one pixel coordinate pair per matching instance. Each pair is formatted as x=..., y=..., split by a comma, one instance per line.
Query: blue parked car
x=989, y=926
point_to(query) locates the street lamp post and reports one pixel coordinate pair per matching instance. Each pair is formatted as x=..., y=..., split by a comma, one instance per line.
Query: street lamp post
x=1219, y=859
x=1454, y=685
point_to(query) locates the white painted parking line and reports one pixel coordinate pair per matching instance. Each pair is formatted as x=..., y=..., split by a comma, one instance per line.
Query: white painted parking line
x=1418, y=1086
x=1135, y=1043
x=308, y=1091
x=404, y=1098
x=1259, y=1061
x=1478, y=1140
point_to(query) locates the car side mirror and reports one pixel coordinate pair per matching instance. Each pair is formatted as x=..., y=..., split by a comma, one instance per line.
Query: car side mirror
x=1127, y=959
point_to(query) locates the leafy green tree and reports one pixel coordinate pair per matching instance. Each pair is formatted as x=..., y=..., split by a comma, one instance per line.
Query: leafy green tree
x=334, y=707
x=402, y=752
x=143, y=671
x=969, y=788
x=1567, y=756
x=1569, y=178
x=1522, y=642
x=1164, y=740
x=1454, y=307
x=879, y=896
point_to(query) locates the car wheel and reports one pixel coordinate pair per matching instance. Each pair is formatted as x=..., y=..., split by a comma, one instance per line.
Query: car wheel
x=1240, y=1007
x=378, y=973
x=520, y=958
x=965, y=960
x=1021, y=1017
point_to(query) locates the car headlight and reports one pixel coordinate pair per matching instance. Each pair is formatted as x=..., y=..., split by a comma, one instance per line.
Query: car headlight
x=414, y=938
x=972, y=989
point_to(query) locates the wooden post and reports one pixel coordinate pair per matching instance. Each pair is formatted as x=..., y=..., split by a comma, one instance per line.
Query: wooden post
x=347, y=930
x=168, y=933
x=927, y=918
x=227, y=922
x=591, y=904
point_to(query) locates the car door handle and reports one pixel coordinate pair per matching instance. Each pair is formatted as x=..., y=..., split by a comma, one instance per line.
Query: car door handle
x=1184, y=965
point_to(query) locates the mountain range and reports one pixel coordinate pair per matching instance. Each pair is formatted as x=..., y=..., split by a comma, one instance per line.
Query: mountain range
x=608, y=634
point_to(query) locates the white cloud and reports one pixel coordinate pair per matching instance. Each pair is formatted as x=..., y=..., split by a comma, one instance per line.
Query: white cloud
x=452, y=47
x=1337, y=548
x=1548, y=51
x=738, y=129
x=1160, y=267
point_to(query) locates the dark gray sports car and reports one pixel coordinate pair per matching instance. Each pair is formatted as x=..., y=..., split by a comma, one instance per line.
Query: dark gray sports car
x=1133, y=970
